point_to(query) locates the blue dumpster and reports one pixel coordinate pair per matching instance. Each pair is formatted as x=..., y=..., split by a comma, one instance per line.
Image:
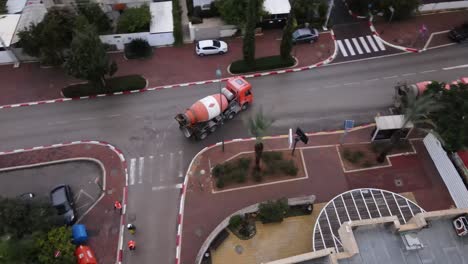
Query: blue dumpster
x=79, y=234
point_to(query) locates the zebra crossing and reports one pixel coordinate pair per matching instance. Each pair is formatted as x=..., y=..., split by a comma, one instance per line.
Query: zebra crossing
x=360, y=45
x=160, y=171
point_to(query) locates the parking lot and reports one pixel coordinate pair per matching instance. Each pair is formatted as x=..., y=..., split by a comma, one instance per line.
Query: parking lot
x=82, y=176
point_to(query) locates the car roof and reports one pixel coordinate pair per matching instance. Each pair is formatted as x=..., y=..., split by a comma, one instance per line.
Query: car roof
x=304, y=31
x=204, y=43
x=58, y=195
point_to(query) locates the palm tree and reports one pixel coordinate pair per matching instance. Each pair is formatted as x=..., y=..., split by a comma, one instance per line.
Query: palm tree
x=258, y=126
x=415, y=110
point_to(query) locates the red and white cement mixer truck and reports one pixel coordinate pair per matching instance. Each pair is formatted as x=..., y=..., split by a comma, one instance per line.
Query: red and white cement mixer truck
x=207, y=114
x=417, y=89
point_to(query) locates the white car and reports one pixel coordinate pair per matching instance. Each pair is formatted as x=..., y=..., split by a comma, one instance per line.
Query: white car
x=209, y=47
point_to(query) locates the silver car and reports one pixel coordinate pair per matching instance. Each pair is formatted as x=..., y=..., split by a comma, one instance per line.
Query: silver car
x=61, y=198
x=209, y=47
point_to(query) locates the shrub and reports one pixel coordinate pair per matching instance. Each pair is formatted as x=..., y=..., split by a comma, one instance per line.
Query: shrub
x=138, y=48
x=353, y=157
x=116, y=84
x=196, y=20
x=189, y=7
x=244, y=163
x=220, y=182
x=218, y=170
x=238, y=175
x=95, y=16
x=134, y=19
x=272, y=156
x=235, y=221
x=288, y=167
x=273, y=211
x=367, y=164
x=261, y=64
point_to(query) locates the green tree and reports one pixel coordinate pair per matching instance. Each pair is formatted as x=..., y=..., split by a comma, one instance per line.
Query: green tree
x=51, y=38
x=18, y=251
x=88, y=59
x=415, y=110
x=56, y=240
x=452, y=119
x=248, y=46
x=258, y=126
x=19, y=218
x=3, y=8
x=273, y=211
x=95, y=16
x=134, y=19
x=286, y=41
x=234, y=11
x=177, y=18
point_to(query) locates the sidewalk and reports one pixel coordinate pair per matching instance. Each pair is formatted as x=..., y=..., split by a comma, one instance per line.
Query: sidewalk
x=406, y=33
x=102, y=222
x=169, y=65
x=204, y=210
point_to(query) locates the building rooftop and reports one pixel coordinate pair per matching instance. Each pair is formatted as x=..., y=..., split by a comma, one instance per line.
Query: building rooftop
x=379, y=244
x=161, y=17
x=8, y=25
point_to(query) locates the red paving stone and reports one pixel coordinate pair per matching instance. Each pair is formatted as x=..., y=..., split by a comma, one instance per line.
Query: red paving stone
x=204, y=210
x=169, y=65
x=102, y=222
x=405, y=33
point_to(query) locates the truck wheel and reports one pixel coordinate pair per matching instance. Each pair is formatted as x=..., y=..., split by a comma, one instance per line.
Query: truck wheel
x=230, y=116
x=245, y=106
x=203, y=136
x=213, y=129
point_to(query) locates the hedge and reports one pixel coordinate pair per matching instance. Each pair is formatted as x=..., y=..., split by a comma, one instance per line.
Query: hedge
x=177, y=17
x=262, y=64
x=138, y=49
x=116, y=84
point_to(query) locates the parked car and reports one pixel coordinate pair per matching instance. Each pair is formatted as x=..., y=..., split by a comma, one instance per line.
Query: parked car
x=459, y=34
x=61, y=198
x=209, y=47
x=305, y=35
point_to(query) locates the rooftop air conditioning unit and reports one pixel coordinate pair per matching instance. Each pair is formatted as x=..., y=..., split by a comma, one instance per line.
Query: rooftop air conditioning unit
x=411, y=241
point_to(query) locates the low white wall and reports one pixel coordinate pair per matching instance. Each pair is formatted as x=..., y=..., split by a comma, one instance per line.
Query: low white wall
x=443, y=6
x=158, y=39
x=5, y=57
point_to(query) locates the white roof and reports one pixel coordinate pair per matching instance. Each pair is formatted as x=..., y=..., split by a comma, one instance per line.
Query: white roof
x=32, y=14
x=15, y=6
x=391, y=122
x=275, y=7
x=161, y=17
x=8, y=25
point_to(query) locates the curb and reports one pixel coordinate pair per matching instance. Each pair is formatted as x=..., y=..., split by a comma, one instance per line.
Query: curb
x=376, y=34
x=180, y=217
x=351, y=12
x=125, y=188
x=304, y=68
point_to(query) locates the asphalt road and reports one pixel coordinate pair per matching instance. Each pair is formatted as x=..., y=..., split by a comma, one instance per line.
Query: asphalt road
x=142, y=125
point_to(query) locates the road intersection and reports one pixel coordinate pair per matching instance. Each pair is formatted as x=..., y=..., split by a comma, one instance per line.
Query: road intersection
x=142, y=125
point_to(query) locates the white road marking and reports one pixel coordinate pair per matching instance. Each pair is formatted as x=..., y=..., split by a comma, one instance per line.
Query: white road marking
x=356, y=44
x=371, y=42
x=379, y=42
x=158, y=188
x=351, y=83
x=391, y=77
x=87, y=118
x=132, y=171
x=161, y=172
x=429, y=71
x=342, y=48
x=350, y=47
x=455, y=67
x=372, y=80
x=181, y=164
x=141, y=163
x=332, y=86
x=117, y=115
x=409, y=74
x=364, y=44
x=151, y=171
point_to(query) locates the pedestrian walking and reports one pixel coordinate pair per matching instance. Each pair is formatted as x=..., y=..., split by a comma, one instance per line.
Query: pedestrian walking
x=131, y=228
x=118, y=206
x=131, y=245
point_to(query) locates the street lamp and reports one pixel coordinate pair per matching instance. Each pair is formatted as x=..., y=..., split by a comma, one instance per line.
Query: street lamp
x=218, y=76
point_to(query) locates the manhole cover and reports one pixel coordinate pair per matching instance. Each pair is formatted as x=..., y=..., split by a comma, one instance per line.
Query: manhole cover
x=239, y=249
x=398, y=182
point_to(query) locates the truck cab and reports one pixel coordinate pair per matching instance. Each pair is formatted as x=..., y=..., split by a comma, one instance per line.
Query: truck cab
x=242, y=91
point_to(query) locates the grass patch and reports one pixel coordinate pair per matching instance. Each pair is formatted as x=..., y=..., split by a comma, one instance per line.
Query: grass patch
x=116, y=84
x=353, y=156
x=276, y=164
x=231, y=171
x=261, y=64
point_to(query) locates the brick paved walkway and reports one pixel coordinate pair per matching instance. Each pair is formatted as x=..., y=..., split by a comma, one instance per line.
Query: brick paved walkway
x=405, y=33
x=205, y=210
x=102, y=221
x=168, y=65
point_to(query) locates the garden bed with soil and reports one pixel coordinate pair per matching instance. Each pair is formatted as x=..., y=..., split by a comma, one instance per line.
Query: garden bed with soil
x=113, y=85
x=275, y=166
x=364, y=156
